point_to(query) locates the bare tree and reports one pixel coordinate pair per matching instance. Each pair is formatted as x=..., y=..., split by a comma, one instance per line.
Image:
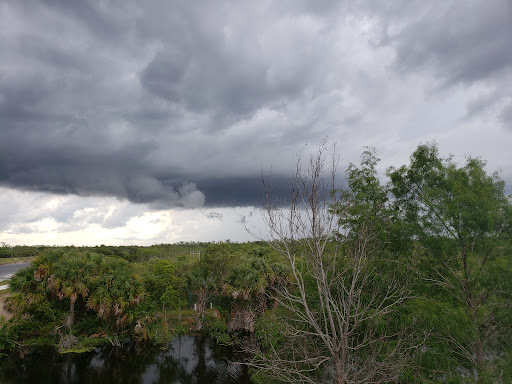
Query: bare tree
x=335, y=304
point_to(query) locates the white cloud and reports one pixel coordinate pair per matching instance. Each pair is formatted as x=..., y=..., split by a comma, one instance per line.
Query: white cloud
x=37, y=219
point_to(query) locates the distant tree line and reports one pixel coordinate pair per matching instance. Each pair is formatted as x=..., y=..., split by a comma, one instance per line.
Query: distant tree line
x=128, y=252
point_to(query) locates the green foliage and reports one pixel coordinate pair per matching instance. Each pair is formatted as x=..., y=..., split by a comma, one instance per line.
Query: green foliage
x=366, y=198
x=207, y=275
x=117, y=289
x=218, y=329
x=170, y=298
x=364, y=209
x=20, y=251
x=461, y=219
x=247, y=278
x=269, y=328
x=8, y=334
x=90, y=325
x=107, y=285
x=164, y=284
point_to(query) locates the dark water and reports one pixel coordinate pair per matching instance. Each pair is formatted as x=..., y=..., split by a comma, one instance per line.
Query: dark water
x=185, y=360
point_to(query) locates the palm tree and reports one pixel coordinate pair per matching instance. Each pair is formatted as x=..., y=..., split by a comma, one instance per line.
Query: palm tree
x=246, y=283
x=26, y=291
x=207, y=276
x=116, y=289
x=29, y=285
x=205, y=284
x=71, y=278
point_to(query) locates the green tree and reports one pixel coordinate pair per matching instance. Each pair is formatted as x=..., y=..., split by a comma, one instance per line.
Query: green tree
x=245, y=283
x=70, y=278
x=207, y=276
x=166, y=283
x=461, y=218
x=167, y=286
x=116, y=289
x=107, y=285
x=27, y=291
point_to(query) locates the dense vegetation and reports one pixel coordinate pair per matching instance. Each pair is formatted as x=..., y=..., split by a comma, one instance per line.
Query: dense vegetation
x=404, y=282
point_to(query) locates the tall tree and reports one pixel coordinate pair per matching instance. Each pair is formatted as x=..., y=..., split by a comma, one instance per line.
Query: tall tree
x=246, y=282
x=207, y=276
x=70, y=278
x=462, y=219
x=338, y=308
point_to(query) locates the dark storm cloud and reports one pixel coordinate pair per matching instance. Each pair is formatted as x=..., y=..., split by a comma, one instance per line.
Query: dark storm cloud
x=180, y=104
x=241, y=191
x=20, y=100
x=216, y=81
x=43, y=51
x=75, y=118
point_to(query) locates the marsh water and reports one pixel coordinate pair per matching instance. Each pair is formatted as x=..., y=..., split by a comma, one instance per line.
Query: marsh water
x=184, y=360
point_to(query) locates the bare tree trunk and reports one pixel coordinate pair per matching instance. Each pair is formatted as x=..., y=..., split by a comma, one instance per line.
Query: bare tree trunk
x=165, y=321
x=331, y=299
x=479, y=358
x=71, y=318
x=242, y=317
x=201, y=303
x=340, y=374
x=179, y=309
x=262, y=304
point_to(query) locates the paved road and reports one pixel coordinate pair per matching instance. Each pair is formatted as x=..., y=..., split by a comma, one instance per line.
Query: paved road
x=7, y=270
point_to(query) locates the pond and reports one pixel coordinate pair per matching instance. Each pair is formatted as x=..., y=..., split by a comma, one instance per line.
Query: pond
x=185, y=360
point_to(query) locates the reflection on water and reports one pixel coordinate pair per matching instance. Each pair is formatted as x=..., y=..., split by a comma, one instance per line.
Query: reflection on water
x=185, y=360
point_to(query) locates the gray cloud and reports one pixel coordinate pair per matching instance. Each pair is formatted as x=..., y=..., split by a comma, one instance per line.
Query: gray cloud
x=25, y=229
x=8, y=211
x=506, y=115
x=463, y=42
x=217, y=81
x=180, y=104
x=467, y=41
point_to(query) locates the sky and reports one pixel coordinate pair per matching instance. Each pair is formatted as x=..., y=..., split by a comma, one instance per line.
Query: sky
x=129, y=122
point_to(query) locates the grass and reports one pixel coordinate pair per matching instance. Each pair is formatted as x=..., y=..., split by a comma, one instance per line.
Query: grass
x=77, y=350
x=85, y=344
